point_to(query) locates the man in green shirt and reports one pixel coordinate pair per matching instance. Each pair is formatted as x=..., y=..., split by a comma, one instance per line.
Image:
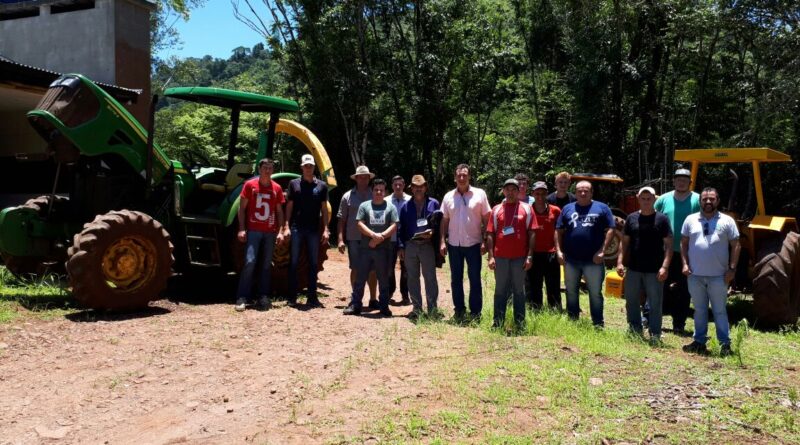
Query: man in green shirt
x=677, y=205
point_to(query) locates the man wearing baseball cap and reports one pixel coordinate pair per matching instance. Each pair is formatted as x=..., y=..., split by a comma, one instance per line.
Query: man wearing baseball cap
x=545, y=264
x=509, y=249
x=677, y=205
x=647, y=251
x=307, y=219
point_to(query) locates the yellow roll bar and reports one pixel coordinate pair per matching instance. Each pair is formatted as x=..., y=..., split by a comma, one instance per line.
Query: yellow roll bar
x=313, y=144
x=754, y=156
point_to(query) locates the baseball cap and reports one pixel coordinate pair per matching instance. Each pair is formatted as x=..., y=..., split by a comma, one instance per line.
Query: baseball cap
x=539, y=185
x=650, y=190
x=683, y=172
x=511, y=181
x=307, y=159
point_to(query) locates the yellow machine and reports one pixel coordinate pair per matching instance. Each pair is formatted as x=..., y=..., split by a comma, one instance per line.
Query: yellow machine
x=770, y=244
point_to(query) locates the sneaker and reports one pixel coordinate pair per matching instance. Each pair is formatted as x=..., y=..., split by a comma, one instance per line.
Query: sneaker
x=655, y=341
x=352, y=310
x=459, y=318
x=696, y=348
x=386, y=312
x=725, y=351
x=240, y=305
x=373, y=304
x=264, y=304
x=435, y=314
x=313, y=302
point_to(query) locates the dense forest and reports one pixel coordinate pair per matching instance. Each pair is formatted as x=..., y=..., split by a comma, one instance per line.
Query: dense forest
x=507, y=86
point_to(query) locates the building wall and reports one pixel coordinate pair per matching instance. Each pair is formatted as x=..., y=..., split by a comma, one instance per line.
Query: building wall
x=132, y=53
x=77, y=41
x=109, y=43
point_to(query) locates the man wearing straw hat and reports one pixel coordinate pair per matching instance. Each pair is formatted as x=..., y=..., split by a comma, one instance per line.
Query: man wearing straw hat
x=347, y=228
x=416, y=249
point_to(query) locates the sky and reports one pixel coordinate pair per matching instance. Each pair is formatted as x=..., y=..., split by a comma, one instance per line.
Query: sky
x=212, y=30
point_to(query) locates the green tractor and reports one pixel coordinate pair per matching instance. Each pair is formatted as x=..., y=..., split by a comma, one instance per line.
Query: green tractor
x=132, y=216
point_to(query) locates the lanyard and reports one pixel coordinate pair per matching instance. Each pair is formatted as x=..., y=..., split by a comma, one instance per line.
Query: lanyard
x=513, y=217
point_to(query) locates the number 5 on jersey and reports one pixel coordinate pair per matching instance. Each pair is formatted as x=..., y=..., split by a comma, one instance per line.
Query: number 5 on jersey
x=262, y=207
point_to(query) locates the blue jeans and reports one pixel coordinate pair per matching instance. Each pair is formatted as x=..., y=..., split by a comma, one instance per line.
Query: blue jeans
x=715, y=291
x=378, y=260
x=594, y=274
x=311, y=239
x=472, y=255
x=634, y=282
x=265, y=243
x=509, y=275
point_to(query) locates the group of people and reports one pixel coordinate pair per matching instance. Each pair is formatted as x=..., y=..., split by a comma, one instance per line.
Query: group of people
x=526, y=240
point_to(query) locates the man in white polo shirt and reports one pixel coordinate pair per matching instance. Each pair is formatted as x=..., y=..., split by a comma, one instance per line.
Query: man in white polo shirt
x=465, y=212
x=705, y=241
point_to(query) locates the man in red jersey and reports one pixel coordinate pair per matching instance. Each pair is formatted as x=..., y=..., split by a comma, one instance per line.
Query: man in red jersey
x=260, y=218
x=545, y=264
x=509, y=245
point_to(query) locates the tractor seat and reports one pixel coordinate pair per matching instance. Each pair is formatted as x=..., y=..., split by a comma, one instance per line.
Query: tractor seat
x=235, y=176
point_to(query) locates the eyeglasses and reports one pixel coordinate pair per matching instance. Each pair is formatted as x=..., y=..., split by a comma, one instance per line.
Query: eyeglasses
x=705, y=229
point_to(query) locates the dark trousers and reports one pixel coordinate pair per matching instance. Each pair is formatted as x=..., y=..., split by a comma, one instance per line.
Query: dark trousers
x=403, y=275
x=372, y=260
x=308, y=239
x=545, y=269
x=676, y=294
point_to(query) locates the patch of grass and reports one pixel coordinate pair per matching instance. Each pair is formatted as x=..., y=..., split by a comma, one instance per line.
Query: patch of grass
x=42, y=297
x=557, y=380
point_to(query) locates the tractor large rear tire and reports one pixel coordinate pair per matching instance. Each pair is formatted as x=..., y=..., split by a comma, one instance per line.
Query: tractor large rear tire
x=32, y=267
x=776, y=282
x=120, y=261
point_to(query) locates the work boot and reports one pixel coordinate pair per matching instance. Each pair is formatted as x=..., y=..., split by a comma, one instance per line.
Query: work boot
x=696, y=348
x=725, y=351
x=264, y=303
x=386, y=312
x=313, y=302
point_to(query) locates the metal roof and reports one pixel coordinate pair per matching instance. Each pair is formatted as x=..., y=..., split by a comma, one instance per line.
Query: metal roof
x=16, y=73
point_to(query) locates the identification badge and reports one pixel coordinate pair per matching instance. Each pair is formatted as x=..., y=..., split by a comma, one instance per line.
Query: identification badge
x=508, y=230
x=422, y=222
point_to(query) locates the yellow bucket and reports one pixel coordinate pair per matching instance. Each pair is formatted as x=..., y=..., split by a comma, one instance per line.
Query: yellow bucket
x=614, y=285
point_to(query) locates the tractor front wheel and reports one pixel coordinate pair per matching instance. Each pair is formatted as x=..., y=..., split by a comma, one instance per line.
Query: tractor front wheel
x=776, y=282
x=120, y=261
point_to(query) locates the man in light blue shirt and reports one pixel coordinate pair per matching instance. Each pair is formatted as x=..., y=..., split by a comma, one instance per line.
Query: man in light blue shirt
x=710, y=267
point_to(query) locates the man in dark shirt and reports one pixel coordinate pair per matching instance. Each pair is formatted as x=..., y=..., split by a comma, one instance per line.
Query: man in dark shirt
x=561, y=196
x=647, y=250
x=308, y=200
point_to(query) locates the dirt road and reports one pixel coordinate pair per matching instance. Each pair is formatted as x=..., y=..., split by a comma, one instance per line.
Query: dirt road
x=202, y=373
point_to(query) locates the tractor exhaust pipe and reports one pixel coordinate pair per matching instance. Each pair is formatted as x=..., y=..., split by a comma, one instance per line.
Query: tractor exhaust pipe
x=148, y=171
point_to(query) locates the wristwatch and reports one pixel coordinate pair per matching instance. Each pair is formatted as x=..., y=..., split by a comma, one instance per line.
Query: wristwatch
x=731, y=268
